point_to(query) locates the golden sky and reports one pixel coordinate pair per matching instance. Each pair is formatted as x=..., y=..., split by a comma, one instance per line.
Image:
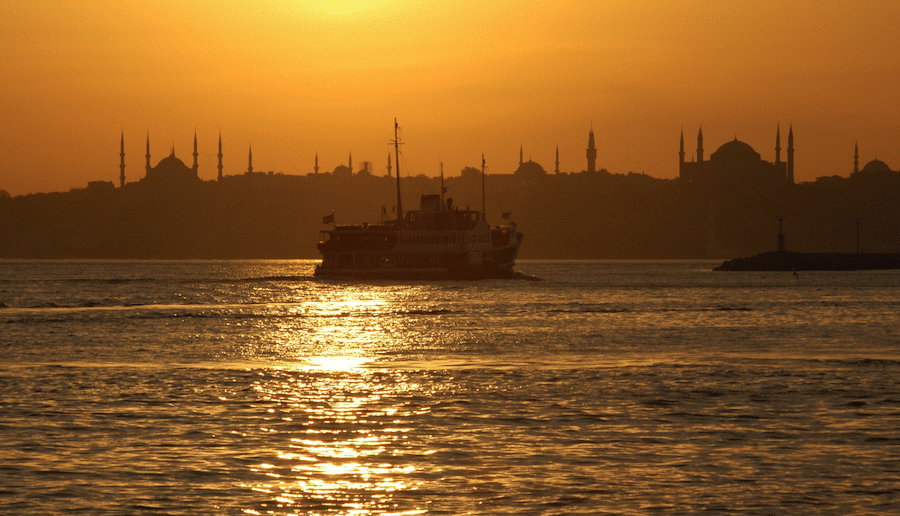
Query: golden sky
x=297, y=78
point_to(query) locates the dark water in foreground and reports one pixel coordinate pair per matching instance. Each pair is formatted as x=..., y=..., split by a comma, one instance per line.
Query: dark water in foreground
x=608, y=387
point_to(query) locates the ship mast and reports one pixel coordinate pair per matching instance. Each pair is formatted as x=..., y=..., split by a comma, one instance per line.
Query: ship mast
x=396, y=143
x=482, y=188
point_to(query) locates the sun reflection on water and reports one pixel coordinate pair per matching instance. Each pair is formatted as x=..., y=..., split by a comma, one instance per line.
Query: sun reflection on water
x=343, y=329
x=336, y=428
x=338, y=436
x=338, y=363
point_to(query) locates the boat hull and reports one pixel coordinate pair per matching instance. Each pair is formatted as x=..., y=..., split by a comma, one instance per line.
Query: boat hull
x=469, y=265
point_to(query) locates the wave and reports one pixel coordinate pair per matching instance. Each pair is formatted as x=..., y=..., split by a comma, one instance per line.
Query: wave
x=588, y=310
x=709, y=309
x=56, y=313
x=49, y=304
x=253, y=279
x=436, y=311
x=163, y=280
x=517, y=275
x=865, y=362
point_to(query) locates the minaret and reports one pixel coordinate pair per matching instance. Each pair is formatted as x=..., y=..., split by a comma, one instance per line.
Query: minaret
x=148, y=154
x=557, y=159
x=195, y=167
x=389, y=164
x=443, y=188
x=122, y=162
x=856, y=158
x=790, y=155
x=316, y=167
x=250, y=161
x=521, y=156
x=591, y=152
x=350, y=162
x=778, y=144
x=220, y=156
x=700, y=146
x=681, y=150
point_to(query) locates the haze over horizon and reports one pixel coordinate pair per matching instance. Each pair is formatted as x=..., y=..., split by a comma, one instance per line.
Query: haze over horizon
x=296, y=79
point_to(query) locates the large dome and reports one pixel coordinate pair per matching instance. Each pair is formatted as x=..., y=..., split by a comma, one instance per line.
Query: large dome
x=875, y=166
x=735, y=150
x=172, y=164
x=530, y=169
x=171, y=169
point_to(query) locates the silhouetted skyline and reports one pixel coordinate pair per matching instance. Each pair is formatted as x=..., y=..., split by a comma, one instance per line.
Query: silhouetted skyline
x=300, y=80
x=725, y=203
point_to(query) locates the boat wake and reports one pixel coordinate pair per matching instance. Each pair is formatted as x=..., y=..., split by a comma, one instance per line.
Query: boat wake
x=518, y=275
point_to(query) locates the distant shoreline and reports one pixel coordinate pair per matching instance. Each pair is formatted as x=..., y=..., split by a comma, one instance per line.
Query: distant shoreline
x=794, y=261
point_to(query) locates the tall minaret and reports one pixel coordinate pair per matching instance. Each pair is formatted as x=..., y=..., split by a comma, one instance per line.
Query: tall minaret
x=790, y=155
x=389, y=164
x=350, y=162
x=778, y=144
x=700, y=145
x=316, y=167
x=195, y=167
x=122, y=162
x=557, y=159
x=220, y=156
x=521, y=155
x=856, y=158
x=681, y=149
x=148, y=153
x=591, y=152
x=250, y=160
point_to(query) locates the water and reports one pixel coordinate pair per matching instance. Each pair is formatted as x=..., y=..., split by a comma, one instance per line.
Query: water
x=207, y=387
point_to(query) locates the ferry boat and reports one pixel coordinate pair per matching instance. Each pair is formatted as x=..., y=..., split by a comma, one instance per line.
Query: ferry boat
x=437, y=241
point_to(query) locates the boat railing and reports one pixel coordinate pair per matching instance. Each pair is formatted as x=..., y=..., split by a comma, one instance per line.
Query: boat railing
x=363, y=239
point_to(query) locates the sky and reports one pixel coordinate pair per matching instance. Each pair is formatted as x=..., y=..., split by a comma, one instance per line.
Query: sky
x=297, y=79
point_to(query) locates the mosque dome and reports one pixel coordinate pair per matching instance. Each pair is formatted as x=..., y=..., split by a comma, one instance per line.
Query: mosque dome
x=171, y=169
x=875, y=166
x=172, y=164
x=735, y=150
x=342, y=171
x=530, y=169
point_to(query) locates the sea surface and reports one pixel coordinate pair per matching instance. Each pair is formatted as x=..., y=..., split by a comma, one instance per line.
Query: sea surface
x=581, y=387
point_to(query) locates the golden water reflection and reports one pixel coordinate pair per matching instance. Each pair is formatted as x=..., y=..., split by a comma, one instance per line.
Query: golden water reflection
x=342, y=329
x=338, y=363
x=335, y=426
x=338, y=436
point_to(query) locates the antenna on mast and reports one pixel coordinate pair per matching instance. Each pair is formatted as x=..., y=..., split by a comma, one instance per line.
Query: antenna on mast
x=396, y=143
x=482, y=188
x=443, y=190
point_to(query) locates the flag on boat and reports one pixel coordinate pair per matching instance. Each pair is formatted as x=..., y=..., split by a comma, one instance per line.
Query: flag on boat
x=507, y=215
x=328, y=219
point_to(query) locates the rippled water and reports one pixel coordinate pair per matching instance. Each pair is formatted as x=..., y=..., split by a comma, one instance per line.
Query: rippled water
x=606, y=387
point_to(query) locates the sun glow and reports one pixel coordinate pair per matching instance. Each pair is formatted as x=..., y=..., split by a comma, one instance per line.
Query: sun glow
x=348, y=8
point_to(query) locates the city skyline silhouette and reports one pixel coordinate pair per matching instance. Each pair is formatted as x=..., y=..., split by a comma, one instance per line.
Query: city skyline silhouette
x=727, y=201
x=305, y=79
